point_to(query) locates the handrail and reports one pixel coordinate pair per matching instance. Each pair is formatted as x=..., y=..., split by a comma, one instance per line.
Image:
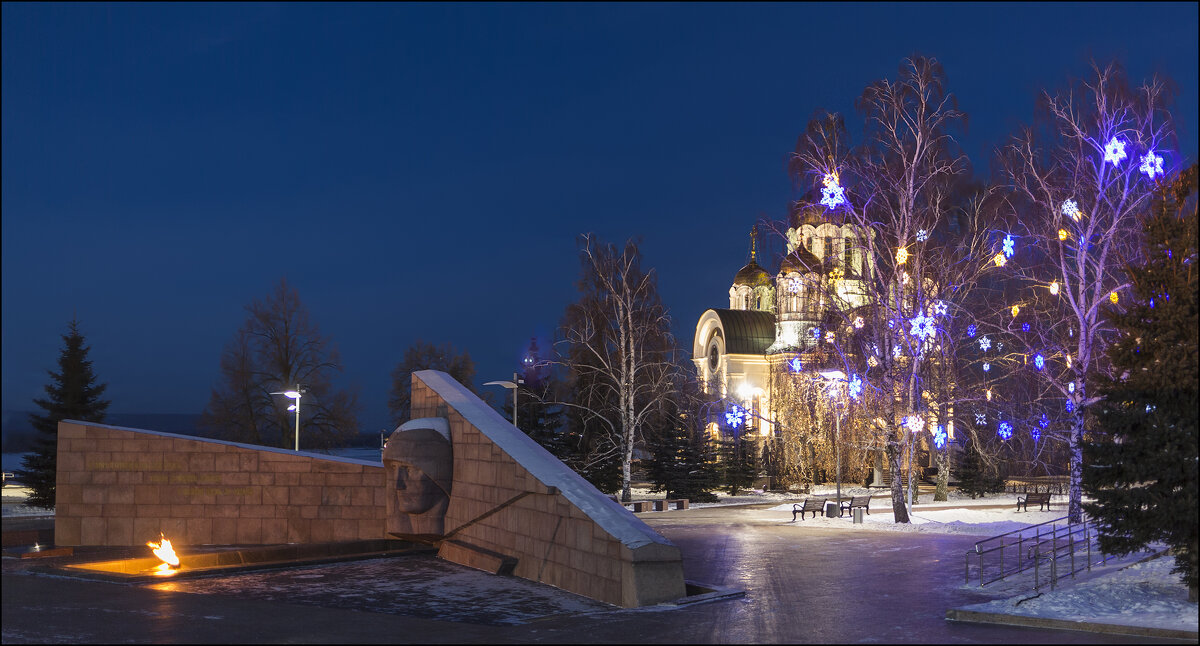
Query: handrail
x=1028, y=552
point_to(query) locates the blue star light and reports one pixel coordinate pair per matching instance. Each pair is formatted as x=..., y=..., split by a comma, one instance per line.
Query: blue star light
x=923, y=235
x=1004, y=430
x=939, y=436
x=1114, y=151
x=816, y=332
x=1008, y=246
x=1151, y=165
x=971, y=330
x=923, y=327
x=1039, y=361
x=1044, y=421
x=794, y=364
x=855, y=387
x=1024, y=327
x=735, y=416
x=984, y=343
x=1036, y=434
x=1070, y=406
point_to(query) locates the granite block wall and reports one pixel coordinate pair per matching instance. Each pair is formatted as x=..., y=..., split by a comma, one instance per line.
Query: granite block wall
x=119, y=486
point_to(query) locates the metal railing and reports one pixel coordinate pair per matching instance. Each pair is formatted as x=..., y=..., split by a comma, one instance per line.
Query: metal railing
x=1051, y=550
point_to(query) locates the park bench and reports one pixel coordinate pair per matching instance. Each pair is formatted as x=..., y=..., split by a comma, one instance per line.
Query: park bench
x=857, y=501
x=677, y=503
x=1041, y=499
x=641, y=505
x=815, y=505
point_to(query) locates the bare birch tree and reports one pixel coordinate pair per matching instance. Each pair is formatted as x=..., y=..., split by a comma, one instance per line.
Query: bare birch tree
x=617, y=346
x=1080, y=177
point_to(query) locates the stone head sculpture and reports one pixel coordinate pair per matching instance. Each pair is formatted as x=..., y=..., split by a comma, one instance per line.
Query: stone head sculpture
x=419, y=468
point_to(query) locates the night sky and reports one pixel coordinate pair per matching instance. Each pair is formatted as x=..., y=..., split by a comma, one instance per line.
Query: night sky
x=423, y=171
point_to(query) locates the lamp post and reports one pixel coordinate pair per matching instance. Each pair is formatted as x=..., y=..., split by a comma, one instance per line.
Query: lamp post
x=296, y=395
x=513, y=385
x=835, y=377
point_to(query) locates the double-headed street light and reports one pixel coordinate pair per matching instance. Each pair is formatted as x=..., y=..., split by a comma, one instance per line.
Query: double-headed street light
x=296, y=395
x=836, y=377
x=516, y=381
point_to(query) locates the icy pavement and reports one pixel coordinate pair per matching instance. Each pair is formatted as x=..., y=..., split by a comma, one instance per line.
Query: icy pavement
x=416, y=586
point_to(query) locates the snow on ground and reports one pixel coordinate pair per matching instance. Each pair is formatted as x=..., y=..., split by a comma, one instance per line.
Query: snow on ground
x=1144, y=594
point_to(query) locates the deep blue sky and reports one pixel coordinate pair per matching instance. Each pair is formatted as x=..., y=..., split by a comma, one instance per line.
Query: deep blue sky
x=424, y=170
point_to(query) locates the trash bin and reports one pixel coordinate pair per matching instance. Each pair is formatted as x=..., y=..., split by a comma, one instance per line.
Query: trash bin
x=858, y=515
x=831, y=509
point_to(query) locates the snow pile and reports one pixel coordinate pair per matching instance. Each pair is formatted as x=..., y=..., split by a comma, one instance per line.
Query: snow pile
x=1145, y=594
x=954, y=520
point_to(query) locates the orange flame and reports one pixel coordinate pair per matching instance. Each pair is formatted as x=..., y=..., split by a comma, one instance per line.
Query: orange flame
x=166, y=553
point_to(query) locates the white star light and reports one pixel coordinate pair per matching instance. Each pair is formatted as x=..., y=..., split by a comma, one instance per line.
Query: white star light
x=1071, y=209
x=1008, y=246
x=940, y=308
x=1114, y=151
x=985, y=343
x=1151, y=165
x=914, y=423
x=833, y=194
x=923, y=235
x=1004, y=430
x=980, y=419
x=986, y=366
x=793, y=285
x=855, y=386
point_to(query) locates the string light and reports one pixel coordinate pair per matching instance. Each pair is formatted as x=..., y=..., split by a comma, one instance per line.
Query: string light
x=989, y=394
x=1054, y=287
x=1151, y=165
x=1113, y=298
x=1114, y=151
x=872, y=361
x=1016, y=309
x=1071, y=209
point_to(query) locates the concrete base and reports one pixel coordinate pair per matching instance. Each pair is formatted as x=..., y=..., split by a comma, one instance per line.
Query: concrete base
x=974, y=616
x=476, y=557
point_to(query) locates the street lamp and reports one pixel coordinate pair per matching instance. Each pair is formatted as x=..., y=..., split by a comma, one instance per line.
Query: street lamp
x=513, y=385
x=835, y=377
x=295, y=394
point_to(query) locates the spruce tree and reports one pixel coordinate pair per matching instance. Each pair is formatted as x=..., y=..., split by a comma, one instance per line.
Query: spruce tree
x=1141, y=466
x=740, y=463
x=683, y=464
x=975, y=477
x=72, y=394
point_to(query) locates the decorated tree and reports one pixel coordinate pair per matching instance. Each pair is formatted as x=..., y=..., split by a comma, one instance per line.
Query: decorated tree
x=1140, y=464
x=1079, y=178
x=72, y=394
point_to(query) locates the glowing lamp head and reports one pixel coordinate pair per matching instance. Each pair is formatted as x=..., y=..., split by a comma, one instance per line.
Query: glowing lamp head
x=1054, y=287
x=291, y=394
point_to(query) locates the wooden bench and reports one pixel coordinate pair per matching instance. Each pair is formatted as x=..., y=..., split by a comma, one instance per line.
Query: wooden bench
x=855, y=502
x=677, y=503
x=1041, y=499
x=641, y=505
x=815, y=505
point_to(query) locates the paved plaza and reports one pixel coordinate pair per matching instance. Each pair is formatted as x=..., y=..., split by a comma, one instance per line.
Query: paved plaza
x=801, y=585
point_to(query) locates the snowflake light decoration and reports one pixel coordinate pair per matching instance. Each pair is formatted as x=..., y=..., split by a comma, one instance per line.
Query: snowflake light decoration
x=1070, y=406
x=1004, y=430
x=1151, y=164
x=901, y=256
x=980, y=419
x=1024, y=327
x=816, y=332
x=856, y=386
x=1071, y=387
x=986, y=366
x=971, y=330
x=985, y=343
x=858, y=322
x=794, y=364
x=891, y=324
x=793, y=285
x=939, y=436
x=829, y=336
x=832, y=194
x=999, y=346
x=1035, y=433
x=1016, y=309
x=735, y=416
x=1054, y=288
x=1039, y=361
x=1114, y=151
x=1063, y=234
x=923, y=235
x=914, y=423
x=1071, y=209
x=1044, y=421
x=1113, y=298
x=872, y=361
x=1008, y=246
x=999, y=259
x=896, y=351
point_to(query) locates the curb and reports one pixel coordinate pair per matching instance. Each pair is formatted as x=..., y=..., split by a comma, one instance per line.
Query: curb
x=975, y=616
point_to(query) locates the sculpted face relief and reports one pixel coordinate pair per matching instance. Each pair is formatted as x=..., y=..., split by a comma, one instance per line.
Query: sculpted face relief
x=419, y=466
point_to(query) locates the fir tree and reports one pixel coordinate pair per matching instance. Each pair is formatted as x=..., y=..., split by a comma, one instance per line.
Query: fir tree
x=739, y=462
x=1141, y=471
x=683, y=463
x=73, y=394
x=975, y=477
